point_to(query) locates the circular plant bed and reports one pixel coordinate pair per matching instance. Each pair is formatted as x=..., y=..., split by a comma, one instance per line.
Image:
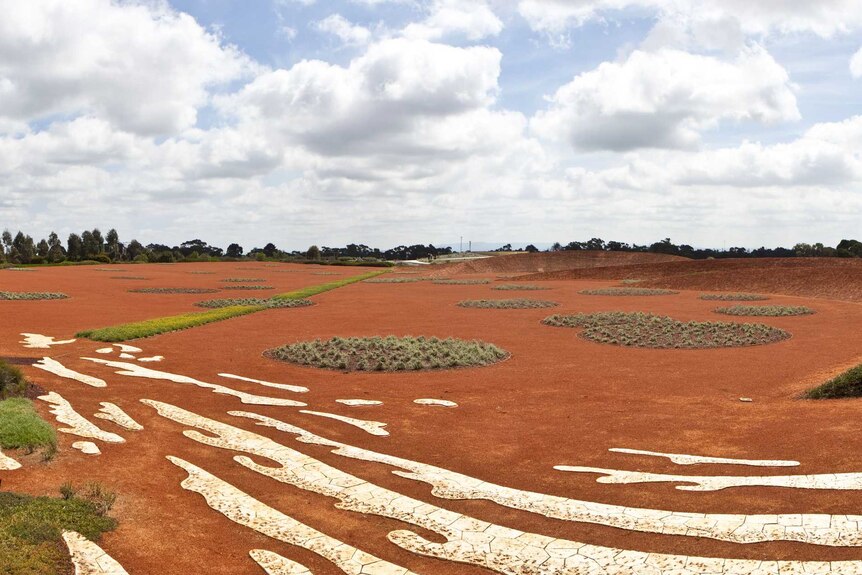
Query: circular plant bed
x=461, y=282
x=765, y=310
x=254, y=287
x=640, y=329
x=624, y=291
x=243, y=280
x=508, y=303
x=129, y=278
x=390, y=353
x=733, y=297
x=253, y=301
x=519, y=287
x=32, y=295
x=393, y=280
x=202, y=273
x=173, y=290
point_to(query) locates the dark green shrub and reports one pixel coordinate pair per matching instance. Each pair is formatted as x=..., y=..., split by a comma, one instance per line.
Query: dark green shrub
x=269, y=303
x=12, y=381
x=847, y=384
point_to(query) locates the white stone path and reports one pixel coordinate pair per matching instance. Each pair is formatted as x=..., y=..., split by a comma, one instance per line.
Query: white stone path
x=294, y=388
x=469, y=540
x=275, y=564
x=114, y=413
x=7, y=463
x=371, y=427
x=65, y=413
x=39, y=341
x=683, y=459
x=57, y=368
x=88, y=558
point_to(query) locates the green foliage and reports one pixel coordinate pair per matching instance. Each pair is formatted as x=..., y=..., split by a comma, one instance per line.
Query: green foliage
x=390, y=353
x=12, y=381
x=847, y=384
x=31, y=528
x=20, y=295
x=733, y=297
x=267, y=303
x=640, y=329
x=765, y=310
x=464, y=282
x=22, y=428
x=628, y=291
x=156, y=326
x=314, y=290
x=173, y=290
x=519, y=287
x=508, y=303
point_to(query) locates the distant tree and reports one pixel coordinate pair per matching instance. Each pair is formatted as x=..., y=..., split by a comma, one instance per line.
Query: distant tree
x=269, y=250
x=74, y=247
x=42, y=249
x=7, y=241
x=849, y=248
x=23, y=249
x=313, y=253
x=531, y=248
x=595, y=244
x=99, y=241
x=135, y=249
x=557, y=247
x=112, y=244
x=234, y=251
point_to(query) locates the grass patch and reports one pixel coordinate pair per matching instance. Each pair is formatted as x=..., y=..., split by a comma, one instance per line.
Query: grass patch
x=389, y=353
x=737, y=296
x=628, y=291
x=30, y=295
x=507, y=303
x=267, y=303
x=159, y=325
x=765, y=310
x=464, y=282
x=22, y=428
x=519, y=287
x=248, y=288
x=173, y=290
x=243, y=280
x=640, y=329
x=31, y=528
x=12, y=381
x=847, y=384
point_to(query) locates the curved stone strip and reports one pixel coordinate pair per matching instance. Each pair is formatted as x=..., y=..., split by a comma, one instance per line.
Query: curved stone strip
x=275, y=564
x=88, y=558
x=372, y=427
x=840, y=481
x=435, y=402
x=39, y=341
x=114, y=413
x=135, y=370
x=683, y=459
x=87, y=447
x=468, y=540
x=125, y=355
x=105, y=350
x=819, y=529
x=294, y=388
x=151, y=359
x=358, y=402
x=125, y=348
x=7, y=463
x=243, y=509
x=65, y=413
x=57, y=368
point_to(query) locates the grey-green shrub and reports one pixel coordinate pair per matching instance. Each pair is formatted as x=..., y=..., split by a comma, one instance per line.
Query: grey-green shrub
x=18, y=295
x=628, y=291
x=508, y=303
x=270, y=303
x=765, y=310
x=733, y=297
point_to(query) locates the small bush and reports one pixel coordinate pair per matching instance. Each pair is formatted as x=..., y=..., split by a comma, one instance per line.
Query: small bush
x=173, y=290
x=765, y=310
x=465, y=282
x=640, y=329
x=389, y=353
x=202, y=273
x=268, y=303
x=507, y=303
x=248, y=288
x=21, y=295
x=627, y=291
x=12, y=382
x=243, y=280
x=22, y=428
x=847, y=384
x=733, y=297
x=519, y=287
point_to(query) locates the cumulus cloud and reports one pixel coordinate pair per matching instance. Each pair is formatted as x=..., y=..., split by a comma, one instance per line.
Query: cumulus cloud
x=349, y=33
x=471, y=19
x=856, y=64
x=665, y=99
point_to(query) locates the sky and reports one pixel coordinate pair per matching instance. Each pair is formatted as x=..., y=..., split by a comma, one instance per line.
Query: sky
x=387, y=122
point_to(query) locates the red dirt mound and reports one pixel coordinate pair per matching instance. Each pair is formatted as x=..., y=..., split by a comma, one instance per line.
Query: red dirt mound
x=839, y=279
x=556, y=261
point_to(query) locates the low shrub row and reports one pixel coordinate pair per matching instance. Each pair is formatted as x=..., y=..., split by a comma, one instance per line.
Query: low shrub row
x=248, y=288
x=463, y=282
x=161, y=290
x=507, y=303
x=519, y=287
x=765, y=310
x=738, y=296
x=628, y=291
x=243, y=280
x=20, y=295
x=257, y=302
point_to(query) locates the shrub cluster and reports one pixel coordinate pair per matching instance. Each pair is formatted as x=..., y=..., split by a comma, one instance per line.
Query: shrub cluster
x=128, y=278
x=765, y=310
x=253, y=301
x=202, y=273
x=22, y=428
x=733, y=297
x=243, y=280
x=623, y=291
x=12, y=382
x=640, y=329
x=507, y=303
x=519, y=287
x=393, y=280
x=23, y=295
x=847, y=384
x=464, y=282
x=173, y=290
x=251, y=287
x=390, y=353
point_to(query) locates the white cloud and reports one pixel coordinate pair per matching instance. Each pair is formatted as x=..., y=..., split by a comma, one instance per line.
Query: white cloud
x=856, y=64
x=471, y=19
x=349, y=33
x=665, y=99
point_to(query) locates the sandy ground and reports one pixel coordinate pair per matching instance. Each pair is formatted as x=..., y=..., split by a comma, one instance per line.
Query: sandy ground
x=558, y=400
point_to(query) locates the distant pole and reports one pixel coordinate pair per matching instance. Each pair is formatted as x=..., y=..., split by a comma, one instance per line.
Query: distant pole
x=470, y=248
x=461, y=249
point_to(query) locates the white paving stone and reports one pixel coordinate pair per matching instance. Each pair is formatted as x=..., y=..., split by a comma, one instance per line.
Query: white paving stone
x=7, y=463
x=57, y=368
x=65, y=413
x=358, y=402
x=275, y=564
x=154, y=358
x=104, y=350
x=112, y=412
x=294, y=388
x=372, y=427
x=135, y=370
x=88, y=558
x=125, y=348
x=436, y=402
x=39, y=341
x=87, y=447
x=683, y=459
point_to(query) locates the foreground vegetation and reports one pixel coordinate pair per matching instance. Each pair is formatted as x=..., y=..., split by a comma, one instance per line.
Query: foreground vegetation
x=394, y=280
x=640, y=329
x=31, y=528
x=508, y=303
x=20, y=424
x=733, y=297
x=847, y=384
x=162, y=290
x=390, y=353
x=253, y=301
x=519, y=287
x=765, y=310
x=628, y=291
x=464, y=282
x=23, y=295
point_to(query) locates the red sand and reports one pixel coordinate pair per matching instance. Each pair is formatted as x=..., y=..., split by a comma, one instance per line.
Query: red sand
x=559, y=400
x=555, y=261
